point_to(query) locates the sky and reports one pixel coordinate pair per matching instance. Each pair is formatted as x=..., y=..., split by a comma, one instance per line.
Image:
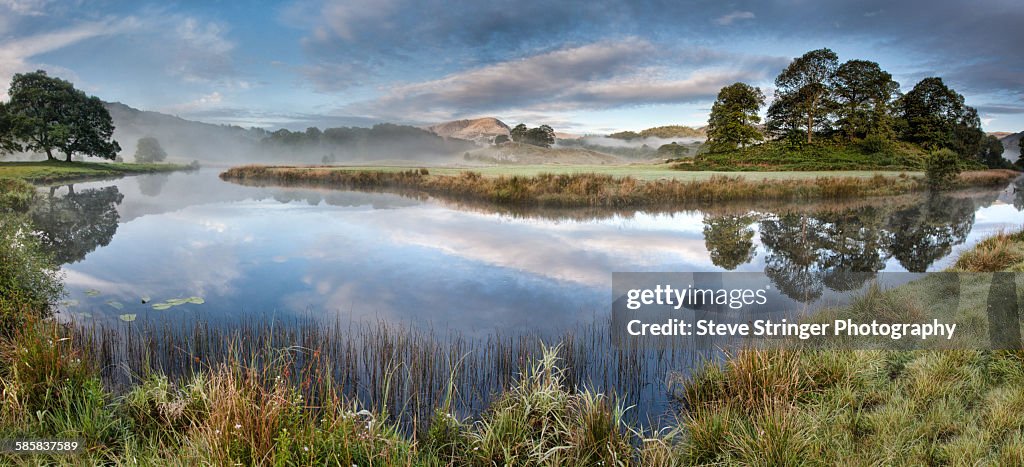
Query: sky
x=584, y=67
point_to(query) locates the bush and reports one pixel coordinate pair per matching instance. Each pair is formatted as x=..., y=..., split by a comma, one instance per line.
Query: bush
x=29, y=282
x=941, y=168
x=15, y=195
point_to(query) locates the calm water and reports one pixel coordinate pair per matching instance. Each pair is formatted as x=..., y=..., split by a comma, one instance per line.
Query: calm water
x=256, y=252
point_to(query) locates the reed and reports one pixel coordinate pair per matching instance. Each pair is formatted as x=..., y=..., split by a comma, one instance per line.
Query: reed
x=598, y=190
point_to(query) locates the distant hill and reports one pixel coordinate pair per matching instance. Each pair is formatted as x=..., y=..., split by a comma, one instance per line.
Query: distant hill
x=184, y=140
x=1011, y=145
x=479, y=130
x=663, y=132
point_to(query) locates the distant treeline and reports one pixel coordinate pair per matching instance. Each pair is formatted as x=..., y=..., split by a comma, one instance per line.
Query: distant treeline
x=355, y=142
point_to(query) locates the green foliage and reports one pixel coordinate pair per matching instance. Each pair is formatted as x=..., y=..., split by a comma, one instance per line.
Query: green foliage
x=543, y=136
x=991, y=153
x=148, y=150
x=673, y=150
x=626, y=135
x=941, y=168
x=803, y=96
x=864, y=94
x=8, y=140
x=670, y=131
x=15, y=195
x=789, y=155
x=49, y=114
x=935, y=116
x=29, y=282
x=734, y=116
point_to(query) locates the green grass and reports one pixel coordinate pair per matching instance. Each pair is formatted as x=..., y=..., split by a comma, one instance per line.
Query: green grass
x=776, y=406
x=55, y=171
x=827, y=156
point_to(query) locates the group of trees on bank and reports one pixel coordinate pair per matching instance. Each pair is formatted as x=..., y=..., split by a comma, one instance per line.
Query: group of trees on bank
x=543, y=136
x=817, y=97
x=48, y=115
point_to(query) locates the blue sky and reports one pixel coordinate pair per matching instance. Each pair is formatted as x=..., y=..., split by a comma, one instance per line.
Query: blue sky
x=583, y=67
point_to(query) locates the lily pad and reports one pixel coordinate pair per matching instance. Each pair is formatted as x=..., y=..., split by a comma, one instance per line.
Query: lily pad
x=92, y=292
x=69, y=303
x=146, y=299
x=196, y=300
x=161, y=306
x=127, y=318
x=116, y=304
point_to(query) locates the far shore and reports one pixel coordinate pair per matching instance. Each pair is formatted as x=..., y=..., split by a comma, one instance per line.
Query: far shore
x=46, y=172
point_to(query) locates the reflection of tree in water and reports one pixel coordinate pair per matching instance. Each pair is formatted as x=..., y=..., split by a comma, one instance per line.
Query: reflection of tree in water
x=794, y=259
x=841, y=250
x=924, y=233
x=152, y=185
x=1018, y=194
x=73, y=225
x=854, y=247
x=729, y=240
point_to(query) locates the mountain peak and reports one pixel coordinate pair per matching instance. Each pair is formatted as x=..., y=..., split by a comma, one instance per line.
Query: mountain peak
x=478, y=129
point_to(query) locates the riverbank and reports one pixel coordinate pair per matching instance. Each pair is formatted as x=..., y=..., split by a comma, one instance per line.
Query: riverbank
x=601, y=190
x=818, y=156
x=55, y=171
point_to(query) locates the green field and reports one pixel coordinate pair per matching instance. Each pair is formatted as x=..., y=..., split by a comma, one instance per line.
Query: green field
x=639, y=171
x=54, y=171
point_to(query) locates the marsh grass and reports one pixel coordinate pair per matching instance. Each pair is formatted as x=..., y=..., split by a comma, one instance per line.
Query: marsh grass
x=598, y=190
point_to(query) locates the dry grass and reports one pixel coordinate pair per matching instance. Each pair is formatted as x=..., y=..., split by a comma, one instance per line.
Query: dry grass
x=595, y=190
x=1002, y=252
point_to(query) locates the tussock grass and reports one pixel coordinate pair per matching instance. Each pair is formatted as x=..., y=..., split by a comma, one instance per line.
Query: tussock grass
x=595, y=190
x=1002, y=252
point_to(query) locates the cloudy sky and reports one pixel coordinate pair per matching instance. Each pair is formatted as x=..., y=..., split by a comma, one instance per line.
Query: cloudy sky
x=584, y=67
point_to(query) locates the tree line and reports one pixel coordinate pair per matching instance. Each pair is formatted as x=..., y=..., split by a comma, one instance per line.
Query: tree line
x=819, y=98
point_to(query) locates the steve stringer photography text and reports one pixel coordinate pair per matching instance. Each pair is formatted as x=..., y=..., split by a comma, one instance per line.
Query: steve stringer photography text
x=736, y=299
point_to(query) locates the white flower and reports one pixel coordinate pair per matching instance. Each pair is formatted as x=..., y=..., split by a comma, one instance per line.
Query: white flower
x=305, y=448
x=238, y=426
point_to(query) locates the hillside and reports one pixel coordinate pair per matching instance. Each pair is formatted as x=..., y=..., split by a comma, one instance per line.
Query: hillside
x=663, y=132
x=517, y=153
x=479, y=130
x=184, y=140
x=1011, y=145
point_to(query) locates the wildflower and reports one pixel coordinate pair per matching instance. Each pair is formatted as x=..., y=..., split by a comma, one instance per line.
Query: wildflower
x=305, y=448
x=238, y=426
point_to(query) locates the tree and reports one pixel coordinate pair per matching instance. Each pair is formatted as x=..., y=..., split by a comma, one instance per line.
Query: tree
x=149, y=150
x=8, y=143
x=543, y=136
x=49, y=114
x=500, y=139
x=518, y=134
x=864, y=95
x=991, y=153
x=935, y=116
x=941, y=168
x=803, y=94
x=733, y=117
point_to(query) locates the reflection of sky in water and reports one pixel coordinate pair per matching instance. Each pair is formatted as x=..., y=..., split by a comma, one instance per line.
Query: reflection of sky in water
x=358, y=256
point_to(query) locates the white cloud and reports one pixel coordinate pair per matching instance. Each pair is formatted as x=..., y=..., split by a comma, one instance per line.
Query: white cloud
x=204, y=102
x=730, y=18
x=16, y=55
x=600, y=75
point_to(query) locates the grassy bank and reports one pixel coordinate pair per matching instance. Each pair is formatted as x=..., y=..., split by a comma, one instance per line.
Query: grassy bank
x=598, y=190
x=55, y=171
x=873, y=407
x=791, y=156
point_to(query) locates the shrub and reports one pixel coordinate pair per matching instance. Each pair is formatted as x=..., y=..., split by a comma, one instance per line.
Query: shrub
x=29, y=282
x=941, y=168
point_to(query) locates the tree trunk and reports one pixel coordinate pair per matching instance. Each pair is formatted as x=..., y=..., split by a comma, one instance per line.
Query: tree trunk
x=49, y=155
x=810, y=125
x=68, y=157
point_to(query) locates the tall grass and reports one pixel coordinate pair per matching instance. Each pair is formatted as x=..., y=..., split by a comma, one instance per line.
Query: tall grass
x=597, y=190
